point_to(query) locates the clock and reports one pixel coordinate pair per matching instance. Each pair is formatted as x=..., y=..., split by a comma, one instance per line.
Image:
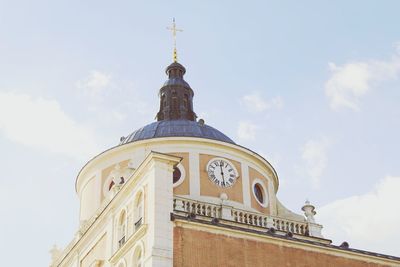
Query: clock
x=222, y=172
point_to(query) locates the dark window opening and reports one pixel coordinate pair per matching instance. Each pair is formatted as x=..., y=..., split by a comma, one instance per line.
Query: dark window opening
x=111, y=185
x=258, y=192
x=176, y=175
x=185, y=101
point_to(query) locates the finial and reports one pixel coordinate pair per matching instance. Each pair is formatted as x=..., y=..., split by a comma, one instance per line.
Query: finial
x=173, y=29
x=309, y=211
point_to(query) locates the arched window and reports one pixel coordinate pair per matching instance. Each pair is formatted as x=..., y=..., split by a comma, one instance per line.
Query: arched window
x=122, y=229
x=185, y=101
x=138, y=210
x=121, y=263
x=138, y=257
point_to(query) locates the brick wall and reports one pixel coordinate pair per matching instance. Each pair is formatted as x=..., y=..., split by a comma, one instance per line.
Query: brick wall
x=199, y=248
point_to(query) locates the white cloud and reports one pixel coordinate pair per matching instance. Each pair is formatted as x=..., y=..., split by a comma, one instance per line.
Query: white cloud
x=350, y=82
x=42, y=124
x=314, y=155
x=256, y=103
x=397, y=47
x=369, y=221
x=246, y=130
x=95, y=83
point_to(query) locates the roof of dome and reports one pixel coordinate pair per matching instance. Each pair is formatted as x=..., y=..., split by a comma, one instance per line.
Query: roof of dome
x=175, y=65
x=176, y=128
x=176, y=81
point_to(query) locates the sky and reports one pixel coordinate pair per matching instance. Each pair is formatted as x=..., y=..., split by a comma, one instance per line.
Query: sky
x=313, y=86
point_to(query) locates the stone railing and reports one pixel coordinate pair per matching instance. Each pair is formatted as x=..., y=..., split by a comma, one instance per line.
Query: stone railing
x=197, y=207
x=239, y=216
x=290, y=226
x=250, y=218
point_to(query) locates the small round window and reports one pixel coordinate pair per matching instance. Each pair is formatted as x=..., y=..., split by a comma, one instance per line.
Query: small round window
x=258, y=192
x=178, y=175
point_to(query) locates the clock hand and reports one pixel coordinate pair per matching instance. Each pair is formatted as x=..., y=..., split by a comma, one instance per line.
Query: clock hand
x=222, y=173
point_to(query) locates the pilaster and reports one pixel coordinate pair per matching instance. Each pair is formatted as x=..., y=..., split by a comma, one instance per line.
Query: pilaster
x=160, y=200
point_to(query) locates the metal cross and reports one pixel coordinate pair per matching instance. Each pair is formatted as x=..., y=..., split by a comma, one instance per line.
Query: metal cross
x=174, y=30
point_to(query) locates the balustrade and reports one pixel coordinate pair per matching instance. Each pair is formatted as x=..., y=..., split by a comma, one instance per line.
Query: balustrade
x=239, y=216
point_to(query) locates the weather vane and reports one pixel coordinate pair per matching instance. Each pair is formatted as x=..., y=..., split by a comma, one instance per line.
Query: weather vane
x=174, y=30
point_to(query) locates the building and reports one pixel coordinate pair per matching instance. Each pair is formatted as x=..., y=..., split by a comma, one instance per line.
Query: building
x=178, y=192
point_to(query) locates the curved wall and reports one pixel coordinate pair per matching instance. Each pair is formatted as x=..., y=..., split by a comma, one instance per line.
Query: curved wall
x=95, y=178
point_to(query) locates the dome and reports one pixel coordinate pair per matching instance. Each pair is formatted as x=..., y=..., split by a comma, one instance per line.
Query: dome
x=176, y=81
x=176, y=128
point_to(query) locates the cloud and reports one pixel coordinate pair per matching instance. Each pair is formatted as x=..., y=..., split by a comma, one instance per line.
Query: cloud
x=397, y=47
x=246, y=130
x=369, y=221
x=314, y=155
x=350, y=82
x=95, y=83
x=256, y=103
x=42, y=124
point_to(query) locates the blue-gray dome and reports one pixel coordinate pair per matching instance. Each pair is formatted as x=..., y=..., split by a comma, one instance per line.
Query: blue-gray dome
x=176, y=128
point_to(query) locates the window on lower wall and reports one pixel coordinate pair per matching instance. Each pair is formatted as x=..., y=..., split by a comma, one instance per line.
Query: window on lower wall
x=138, y=257
x=138, y=211
x=122, y=229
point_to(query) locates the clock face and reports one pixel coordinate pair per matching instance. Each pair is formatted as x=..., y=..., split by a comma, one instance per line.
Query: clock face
x=222, y=172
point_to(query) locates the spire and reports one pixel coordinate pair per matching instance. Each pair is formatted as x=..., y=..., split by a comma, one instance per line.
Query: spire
x=174, y=30
x=176, y=96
